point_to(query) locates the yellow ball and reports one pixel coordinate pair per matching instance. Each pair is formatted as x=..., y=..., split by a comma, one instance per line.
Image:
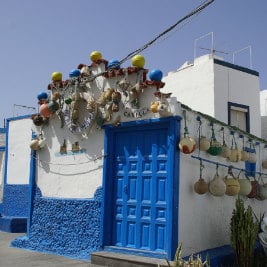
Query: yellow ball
x=95, y=55
x=56, y=76
x=138, y=61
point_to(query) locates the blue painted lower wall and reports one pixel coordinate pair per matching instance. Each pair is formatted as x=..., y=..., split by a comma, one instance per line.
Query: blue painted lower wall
x=67, y=227
x=14, y=208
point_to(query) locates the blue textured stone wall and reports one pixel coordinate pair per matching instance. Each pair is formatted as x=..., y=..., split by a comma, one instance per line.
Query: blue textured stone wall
x=15, y=200
x=67, y=227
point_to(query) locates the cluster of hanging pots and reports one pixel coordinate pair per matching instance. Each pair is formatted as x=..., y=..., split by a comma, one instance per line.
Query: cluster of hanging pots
x=231, y=186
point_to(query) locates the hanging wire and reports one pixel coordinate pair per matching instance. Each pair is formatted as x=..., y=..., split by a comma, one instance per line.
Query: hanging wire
x=145, y=46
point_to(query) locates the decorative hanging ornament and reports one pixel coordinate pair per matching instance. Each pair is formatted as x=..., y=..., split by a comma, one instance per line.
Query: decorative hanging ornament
x=244, y=153
x=252, y=156
x=42, y=96
x=225, y=153
x=264, y=162
x=187, y=144
x=245, y=186
x=261, y=189
x=232, y=183
x=217, y=186
x=215, y=146
x=45, y=111
x=201, y=186
x=235, y=155
x=203, y=142
x=155, y=75
x=95, y=56
x=138, y=61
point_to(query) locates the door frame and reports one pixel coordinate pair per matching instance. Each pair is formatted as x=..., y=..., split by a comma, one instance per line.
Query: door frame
x=173, y=126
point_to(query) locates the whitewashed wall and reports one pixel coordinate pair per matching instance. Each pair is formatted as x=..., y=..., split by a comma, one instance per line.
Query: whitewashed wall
x=19, y=152
x=2, y=161
x=238, y=87
x=207, y=87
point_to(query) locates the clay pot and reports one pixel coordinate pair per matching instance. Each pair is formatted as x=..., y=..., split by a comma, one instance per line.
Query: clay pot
x=201, y=186
x=204, y=143
x=235, y=155
x=217, y=186
x=232, y=186
x=245, y=187
x=187, y=145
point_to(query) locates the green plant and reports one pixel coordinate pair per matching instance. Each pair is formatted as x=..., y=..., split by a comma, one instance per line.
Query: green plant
x=244, y=232
x=193, y=261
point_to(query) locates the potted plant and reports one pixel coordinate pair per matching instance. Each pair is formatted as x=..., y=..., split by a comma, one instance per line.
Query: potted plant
x=244, y=232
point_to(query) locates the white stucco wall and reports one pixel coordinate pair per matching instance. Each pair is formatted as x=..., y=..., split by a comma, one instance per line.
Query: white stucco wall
x=2, y=161
x=239, y=87
x=18, y=157
x=207, y=87
x=193, y=85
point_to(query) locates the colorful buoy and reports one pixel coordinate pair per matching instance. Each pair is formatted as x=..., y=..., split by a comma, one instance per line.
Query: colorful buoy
x=155, y=75
x=42, y=96
x=95, y=56
x=74, y=73
x=114, y=64
x=138, y=61
x=56, y=76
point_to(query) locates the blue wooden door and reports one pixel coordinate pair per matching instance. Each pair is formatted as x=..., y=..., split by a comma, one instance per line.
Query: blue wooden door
x=142, y=213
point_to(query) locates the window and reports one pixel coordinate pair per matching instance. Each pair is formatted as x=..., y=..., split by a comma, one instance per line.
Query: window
x=238, y=115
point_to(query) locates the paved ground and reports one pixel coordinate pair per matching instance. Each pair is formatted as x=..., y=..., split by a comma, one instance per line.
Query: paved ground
x=13, y=257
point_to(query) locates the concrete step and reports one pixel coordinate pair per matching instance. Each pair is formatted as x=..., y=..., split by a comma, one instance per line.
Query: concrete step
x=114, y=259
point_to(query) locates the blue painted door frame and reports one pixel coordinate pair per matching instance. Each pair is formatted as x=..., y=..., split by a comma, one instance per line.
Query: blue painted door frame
x=140, y=187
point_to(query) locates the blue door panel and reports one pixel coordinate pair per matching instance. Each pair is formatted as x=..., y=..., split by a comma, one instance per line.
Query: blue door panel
x=141, y=161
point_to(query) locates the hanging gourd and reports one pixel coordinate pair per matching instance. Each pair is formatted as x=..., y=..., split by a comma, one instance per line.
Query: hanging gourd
x=225, y=153
x=235, y=155
x=261, y=189
x=203, y=142
x=215, y=146
x=252, y=156
x=217, y=186
x=244, y=153
x=232, y=183
x=245, y=186
x=201, y=186
x=187, y=144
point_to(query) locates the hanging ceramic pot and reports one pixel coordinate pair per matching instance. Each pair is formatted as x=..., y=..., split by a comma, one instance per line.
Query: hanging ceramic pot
x=232, y=183
x=244, y=153
x=201, y=186
x=215, y=146
x=225, y=153
x=217, y=186
x=245, y=186
x=187, y=144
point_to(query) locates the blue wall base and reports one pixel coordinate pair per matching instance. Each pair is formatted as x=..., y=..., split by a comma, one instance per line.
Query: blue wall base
x=13, y=224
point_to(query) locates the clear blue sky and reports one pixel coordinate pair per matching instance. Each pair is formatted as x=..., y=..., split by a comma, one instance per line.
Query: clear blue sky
x=40, y=37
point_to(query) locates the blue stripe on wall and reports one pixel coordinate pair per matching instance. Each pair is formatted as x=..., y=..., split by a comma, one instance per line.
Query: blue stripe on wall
x=67, y=227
